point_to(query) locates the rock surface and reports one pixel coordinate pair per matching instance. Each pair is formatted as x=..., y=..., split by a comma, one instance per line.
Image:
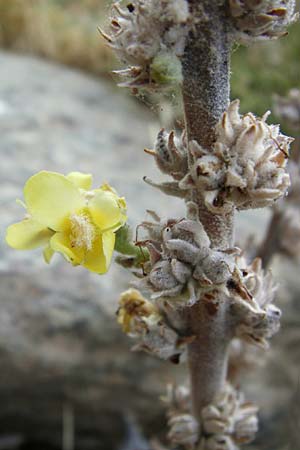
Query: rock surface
x=63, y=358
x=60, y=346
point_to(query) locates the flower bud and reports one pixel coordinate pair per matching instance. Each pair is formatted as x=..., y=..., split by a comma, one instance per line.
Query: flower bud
x=171, y=154
x=184, y=430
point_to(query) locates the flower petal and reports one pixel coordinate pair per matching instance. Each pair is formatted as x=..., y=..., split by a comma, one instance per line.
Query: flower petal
x=98, y=259
x=27, y=234
x=108, y=187
x=108, y=240
x=50, y=197
x=61, y=243
x=81, y=180
x=121, y=200
x=106, y=211
x=48, y=253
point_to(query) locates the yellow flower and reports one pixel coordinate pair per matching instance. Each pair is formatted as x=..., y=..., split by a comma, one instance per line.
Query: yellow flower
x=66, y=216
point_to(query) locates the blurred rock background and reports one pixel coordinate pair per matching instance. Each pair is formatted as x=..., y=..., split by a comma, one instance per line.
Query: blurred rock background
x=65, y=31
x=67, y=377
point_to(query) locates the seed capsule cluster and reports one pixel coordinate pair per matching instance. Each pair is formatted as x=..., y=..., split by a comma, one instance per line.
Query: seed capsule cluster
x=183, y=430
x=182, y=263
x=183, y=427
x=184, y=269
x=262, y=19
x=225, y=423
x=144, y=30
x=246, y=167
x=228, y=421
x=258, y=317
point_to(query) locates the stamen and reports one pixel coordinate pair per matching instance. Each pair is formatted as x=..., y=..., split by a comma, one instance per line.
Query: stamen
x=82, y=231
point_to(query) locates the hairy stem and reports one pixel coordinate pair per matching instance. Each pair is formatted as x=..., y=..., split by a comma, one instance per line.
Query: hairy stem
x=205, y=96
x=205, y=93
x=208, y=353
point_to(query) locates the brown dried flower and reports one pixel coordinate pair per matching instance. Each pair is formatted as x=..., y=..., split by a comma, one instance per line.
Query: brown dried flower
x=142, y=320
x=135, y=311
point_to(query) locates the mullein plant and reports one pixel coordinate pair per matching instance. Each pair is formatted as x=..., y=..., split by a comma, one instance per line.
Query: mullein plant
x=196, y=298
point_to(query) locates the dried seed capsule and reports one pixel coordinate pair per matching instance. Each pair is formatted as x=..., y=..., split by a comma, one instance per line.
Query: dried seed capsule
x=148, y=35
x=259, y=318
x=246, y=167
x=143, y=321
x=228, y=421
x=261, y=19
x=184, y=429
x=182, y=264
x=171, y=154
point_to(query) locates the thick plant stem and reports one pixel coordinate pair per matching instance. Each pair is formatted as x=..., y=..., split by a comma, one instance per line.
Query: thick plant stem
x=205, y=93
x=205, y=68
x=208, y=353
x=205, y=96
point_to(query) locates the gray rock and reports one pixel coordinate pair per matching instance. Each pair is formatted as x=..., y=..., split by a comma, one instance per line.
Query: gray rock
x=59, y=341
x=63, y=358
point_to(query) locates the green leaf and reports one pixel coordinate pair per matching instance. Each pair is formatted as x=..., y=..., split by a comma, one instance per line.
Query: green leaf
x=125, y=246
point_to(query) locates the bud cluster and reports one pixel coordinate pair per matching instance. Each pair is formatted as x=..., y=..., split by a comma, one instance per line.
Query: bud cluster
x=245, y=168
x=144, y=30
x=261, y=19
x=258, y=317
x=182, y=263
x=224, y=424
x=183, y=427
x=184, y=430
x=228, y=421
